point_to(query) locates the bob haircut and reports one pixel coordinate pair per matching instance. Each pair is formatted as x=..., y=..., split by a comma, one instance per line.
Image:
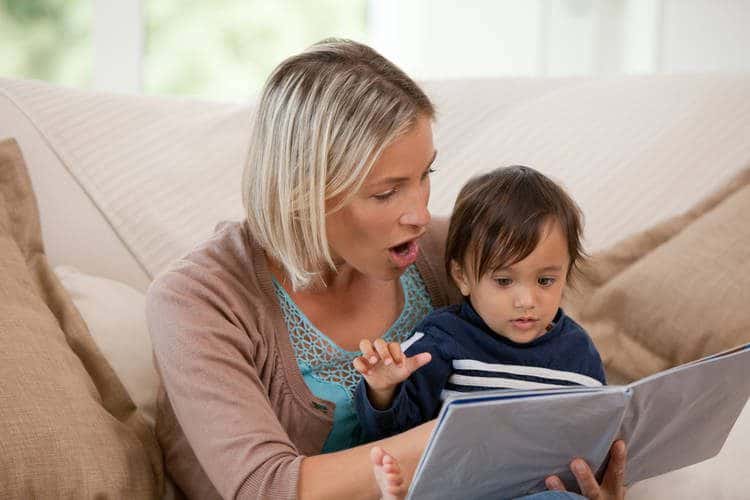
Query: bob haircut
x=499, y=216
x=323, y=118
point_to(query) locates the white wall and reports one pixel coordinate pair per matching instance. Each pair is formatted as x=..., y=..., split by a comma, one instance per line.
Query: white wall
x=477, y=38
x=706, y=35
x=448, y=39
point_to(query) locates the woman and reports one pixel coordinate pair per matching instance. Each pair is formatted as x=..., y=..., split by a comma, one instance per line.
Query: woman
x=255, y=330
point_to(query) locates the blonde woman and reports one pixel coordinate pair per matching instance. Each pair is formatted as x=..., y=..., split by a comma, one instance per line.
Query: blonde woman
x=255, y=330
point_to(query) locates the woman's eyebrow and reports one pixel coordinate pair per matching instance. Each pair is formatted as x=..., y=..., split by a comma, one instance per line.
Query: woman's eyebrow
x=396, y=180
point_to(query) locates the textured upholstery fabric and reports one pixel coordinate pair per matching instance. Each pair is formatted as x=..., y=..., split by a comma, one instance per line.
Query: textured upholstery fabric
x=674, y=293
x=68, y=429
x=631, y=150
x=126, y=184
x=115, y=315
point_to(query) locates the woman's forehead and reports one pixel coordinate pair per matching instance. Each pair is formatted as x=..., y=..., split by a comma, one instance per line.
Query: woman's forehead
x=408, y=155
x=397, y=171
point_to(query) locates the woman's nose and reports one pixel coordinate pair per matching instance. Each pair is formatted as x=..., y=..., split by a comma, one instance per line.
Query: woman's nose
x=416, y=213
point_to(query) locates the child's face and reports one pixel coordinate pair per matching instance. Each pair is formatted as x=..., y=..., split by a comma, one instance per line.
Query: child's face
x=520, y=301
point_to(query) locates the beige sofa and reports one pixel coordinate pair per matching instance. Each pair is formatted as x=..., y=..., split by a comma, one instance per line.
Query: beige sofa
x=125, y=184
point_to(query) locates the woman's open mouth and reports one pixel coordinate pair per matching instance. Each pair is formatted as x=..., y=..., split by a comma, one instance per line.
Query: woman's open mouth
x=404, y=254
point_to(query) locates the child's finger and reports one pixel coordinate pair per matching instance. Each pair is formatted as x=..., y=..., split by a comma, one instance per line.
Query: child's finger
x=395, y=349
x=418, y=361
x=367, y=351
x=361, y=365
x=381, y=347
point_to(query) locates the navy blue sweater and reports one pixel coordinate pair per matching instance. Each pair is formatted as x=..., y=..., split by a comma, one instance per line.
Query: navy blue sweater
x=468, y=356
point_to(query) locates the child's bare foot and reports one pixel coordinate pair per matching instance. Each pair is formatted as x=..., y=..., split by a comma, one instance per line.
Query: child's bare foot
x=387, y=474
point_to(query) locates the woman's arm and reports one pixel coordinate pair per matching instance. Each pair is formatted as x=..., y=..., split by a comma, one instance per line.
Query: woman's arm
x=349, y=474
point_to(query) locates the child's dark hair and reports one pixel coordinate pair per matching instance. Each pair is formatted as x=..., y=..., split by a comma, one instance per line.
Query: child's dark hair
x=498, y=217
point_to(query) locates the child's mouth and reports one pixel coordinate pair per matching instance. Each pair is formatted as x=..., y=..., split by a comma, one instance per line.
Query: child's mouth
x=525, y=323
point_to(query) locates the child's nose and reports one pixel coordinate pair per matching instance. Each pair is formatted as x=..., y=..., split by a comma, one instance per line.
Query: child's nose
x=524, y=298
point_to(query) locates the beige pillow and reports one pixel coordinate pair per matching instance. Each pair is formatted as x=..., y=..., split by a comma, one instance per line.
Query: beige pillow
x=67, y=426
x=674, y=293
x=115, y=315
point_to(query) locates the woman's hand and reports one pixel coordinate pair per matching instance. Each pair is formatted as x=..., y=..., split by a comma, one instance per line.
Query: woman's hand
x=384, y=366
x=613, y=484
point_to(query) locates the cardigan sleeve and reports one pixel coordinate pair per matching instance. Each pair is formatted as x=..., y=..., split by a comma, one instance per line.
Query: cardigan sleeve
x=206, y=358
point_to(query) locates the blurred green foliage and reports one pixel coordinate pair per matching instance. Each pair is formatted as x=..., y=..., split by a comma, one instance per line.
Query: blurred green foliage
x=218, y=49
x=46, y=40
x=226, y=48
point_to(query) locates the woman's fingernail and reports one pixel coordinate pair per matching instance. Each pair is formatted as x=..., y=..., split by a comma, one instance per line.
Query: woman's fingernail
x=578, y=467
x=373, y=359
x=388, y=361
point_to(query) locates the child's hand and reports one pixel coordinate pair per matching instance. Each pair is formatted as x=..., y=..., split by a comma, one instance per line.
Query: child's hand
x=384, y=366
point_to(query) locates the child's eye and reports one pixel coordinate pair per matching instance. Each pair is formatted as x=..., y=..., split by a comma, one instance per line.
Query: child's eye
x=504, y=281
x=545, y=282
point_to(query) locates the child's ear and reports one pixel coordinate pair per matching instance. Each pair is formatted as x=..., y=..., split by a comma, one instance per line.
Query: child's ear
x=459, y=278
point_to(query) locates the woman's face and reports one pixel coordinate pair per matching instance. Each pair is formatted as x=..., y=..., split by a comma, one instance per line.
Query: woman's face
x=376, y=232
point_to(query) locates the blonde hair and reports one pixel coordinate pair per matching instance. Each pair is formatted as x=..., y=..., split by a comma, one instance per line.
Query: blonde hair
x=324, y=117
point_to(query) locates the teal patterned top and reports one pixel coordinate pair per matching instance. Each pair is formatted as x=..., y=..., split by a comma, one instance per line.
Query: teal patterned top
x=327, y=368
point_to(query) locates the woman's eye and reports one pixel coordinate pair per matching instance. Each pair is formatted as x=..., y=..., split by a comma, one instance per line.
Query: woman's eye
x=546, y=281
x=384, y=196
x=504, y=281
x=428, y=172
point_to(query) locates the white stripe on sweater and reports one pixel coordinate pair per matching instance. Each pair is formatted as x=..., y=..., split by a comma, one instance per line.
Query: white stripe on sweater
x=499, y=383
x=529, y=371
x=410, y=341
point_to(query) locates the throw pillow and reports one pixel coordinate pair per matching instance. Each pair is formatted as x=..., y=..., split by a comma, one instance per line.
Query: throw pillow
x=674, y=293
x=115, y=314
x=67, y=426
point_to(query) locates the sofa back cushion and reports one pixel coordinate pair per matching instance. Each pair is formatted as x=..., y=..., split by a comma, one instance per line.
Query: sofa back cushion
x=163, y=172
x=674, y=293
x=68, y=428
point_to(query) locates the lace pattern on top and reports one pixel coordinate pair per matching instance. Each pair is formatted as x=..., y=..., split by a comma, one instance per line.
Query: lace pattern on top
x=330, y=363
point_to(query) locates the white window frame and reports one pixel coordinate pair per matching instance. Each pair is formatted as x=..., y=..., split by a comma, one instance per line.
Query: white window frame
x=118, y=44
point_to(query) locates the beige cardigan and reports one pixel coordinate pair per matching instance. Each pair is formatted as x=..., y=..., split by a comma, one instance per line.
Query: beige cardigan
x=239, y=417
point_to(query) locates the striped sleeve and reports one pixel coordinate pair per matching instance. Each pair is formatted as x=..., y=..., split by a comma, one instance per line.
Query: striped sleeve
x=417, y=399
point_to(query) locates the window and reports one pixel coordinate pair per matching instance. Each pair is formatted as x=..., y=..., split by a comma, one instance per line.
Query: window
x=47, y=40
x=224, y=49
x=219, y=49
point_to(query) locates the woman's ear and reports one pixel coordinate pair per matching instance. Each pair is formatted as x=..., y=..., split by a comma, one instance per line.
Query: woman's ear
x=460, y=278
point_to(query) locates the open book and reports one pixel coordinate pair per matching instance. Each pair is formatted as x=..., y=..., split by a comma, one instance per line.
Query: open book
x=502, y=444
